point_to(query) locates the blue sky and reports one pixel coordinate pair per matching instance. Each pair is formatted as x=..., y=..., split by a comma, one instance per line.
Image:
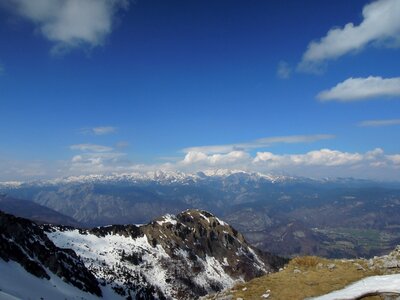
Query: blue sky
x=310, y=88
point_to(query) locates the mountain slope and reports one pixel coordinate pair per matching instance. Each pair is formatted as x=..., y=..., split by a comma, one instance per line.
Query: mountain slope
x=23, y=242
x=18, y=284
x=35, y=212
x=173, y=257
x=305, y=277
x=180, y=257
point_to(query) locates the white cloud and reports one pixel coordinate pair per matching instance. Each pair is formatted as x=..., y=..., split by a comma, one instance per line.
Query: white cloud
x=216, y=160
x=104, y=130
x=91, y=148
x=380, y=25
x=100, y=130
x=259, y=143
x=376, y=154
x=284, y=70
x=323, y=157
x=379, y=123
x=97, y=158
x=98, y=163
x=70, y=23
x=394, y=158
x=317, y=163
x=374, y=164
x=357, y=89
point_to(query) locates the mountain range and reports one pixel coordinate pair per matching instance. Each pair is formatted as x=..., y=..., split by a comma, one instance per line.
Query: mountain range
x=341, y=217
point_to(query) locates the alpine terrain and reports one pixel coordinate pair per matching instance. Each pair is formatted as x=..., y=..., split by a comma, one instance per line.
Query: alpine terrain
x=285, y=215
x=173, y=257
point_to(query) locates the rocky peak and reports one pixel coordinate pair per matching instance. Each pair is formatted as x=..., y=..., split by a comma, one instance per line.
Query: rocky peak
x=203, y=235
x=173, y=257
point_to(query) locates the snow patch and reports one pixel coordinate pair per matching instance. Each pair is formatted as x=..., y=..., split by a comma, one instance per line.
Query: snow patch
x=167, y=219
x=214, y=272
x=260, y=263
x=204, y=217
x=102, y=255
x=369, y=285
x=225, y=262
x=222, y=223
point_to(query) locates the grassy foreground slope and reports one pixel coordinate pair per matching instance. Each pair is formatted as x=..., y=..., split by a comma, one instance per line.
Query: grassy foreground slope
x=311, y=276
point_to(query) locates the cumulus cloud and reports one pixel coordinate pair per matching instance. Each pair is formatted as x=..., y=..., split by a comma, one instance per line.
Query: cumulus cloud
x=380, y=25
x=323, y=157
x=70, y=23
x=284, y=70
x=316, y=163
x=379, y=123
x=374, y=164
x=395, y=159
x=215, y=160
x=259, y=143
x=357, y=89
x=91, y=148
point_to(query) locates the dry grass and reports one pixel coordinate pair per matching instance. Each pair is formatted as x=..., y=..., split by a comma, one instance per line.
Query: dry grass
x=305, y=261
x=311, y=278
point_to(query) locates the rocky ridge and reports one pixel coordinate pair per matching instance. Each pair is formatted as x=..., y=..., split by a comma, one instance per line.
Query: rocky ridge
x=173, y=257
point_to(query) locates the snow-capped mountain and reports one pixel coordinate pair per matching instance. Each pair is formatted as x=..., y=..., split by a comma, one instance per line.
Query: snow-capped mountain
x=263, y=207
x=173, y=257
x=159, y=176
x=139, y=197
